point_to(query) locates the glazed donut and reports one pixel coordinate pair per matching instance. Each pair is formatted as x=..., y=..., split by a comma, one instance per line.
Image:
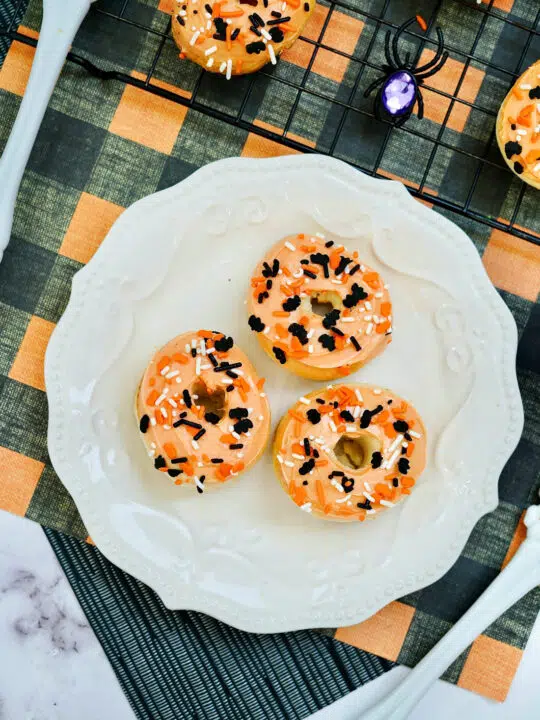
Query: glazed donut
x=348, y=452
x=235, y=37
x=201, y=409
x=317, y=309
x=518, y=127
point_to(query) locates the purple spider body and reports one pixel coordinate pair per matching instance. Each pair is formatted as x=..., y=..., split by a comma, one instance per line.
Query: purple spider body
x=399, y=88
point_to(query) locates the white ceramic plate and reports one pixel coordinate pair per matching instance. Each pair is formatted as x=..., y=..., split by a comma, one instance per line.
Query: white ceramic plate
x=181, y=260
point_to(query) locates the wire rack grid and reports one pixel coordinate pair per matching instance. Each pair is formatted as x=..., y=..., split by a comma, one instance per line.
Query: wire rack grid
x=474, y=180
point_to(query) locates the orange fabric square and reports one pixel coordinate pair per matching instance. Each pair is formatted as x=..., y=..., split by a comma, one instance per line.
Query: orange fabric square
x=166, y=6
x=27, y=367
x=505, y=5
x=519, y=536
x=91, y=221
x=259, y=147
x=15, y=71
x=513, y=264
x=342, y=33
x=383, y=633
x=447, y=79
x=490, y=668
x=19, y=476
x=148, y=119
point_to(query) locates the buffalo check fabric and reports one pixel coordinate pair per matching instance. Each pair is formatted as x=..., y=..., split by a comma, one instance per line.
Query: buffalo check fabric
x=106, y=142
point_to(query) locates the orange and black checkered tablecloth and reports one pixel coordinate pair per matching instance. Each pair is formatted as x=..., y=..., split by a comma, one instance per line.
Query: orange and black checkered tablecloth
x=104, y=144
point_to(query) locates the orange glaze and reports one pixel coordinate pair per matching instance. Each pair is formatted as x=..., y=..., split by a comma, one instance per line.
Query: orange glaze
x=362, y=308
x=171, y=391
x=380, y=482
x=518, y=126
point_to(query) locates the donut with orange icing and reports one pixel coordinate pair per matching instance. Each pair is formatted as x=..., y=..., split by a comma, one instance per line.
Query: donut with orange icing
x=202, y=411
x=518, y=127
x=349, y=452
x=235, y=37
x=317, y=309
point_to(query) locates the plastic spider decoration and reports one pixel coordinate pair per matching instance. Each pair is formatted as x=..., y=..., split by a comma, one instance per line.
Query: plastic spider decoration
x=399, y=89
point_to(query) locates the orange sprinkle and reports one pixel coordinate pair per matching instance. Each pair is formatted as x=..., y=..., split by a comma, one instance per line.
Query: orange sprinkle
x=239, y=62
x=372, y=279
x=321, y=462
x=286, y=290
x=516, y=92
x=170, y=450
x=205, y=334
x=344, y=371
x=287, y=27
x=335, y=258
x=223, y=471
x=386, y=309
x=298, y=494
x=381, y=417
x=260, y=383
x=410, y=448
x=298, y=354
x=532, y=156
x=525, y=116
x=180, y=358
x=298, y=449
x=152, y=397
x=407, y=482
x=182, y=56
x=216, y=10
x=381, y=328
x=286, y=271
x=257, y=280
x=163, y=362
x=389, y=430
x=281, y=331
x=296, y=345
x=280, y=313
x=423, y=24
x=232, y=13
x=320, y=492
x=296, y=415
x=238, y=467
x=308, y=248
x=300, y=236
x=304, y=320
x=383, y=490
x=152, y=382
x=160, y=420
x=228, y=439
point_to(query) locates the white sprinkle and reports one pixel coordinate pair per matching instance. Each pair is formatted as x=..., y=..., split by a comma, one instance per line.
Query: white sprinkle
x=262, y=394
x=333, y=426
x=367, y=318
x=310, y=334
x=414, y=434
x=306, y=507
x=226, y=381
x=338, y=487
x=178, y=380
x=358, y=395
x=182, y=13
x=392, y=459
x=346, y=268
x=172, y=403
x=368, y=305
x=369, y=497
x=202, y=348
x=350, y=428
x=370, y=512
x=296, y=456
x=362, y=268
x=195, y=37
x=320, y=235
x=271, y=53
x=195, y=444
x=229, y=69
x=521, y=132
x=222, y=67
x=305, y=400
x=198, y=366
x=240, y=455
x=172, y=374
x=343, y=499
x=266, y=330
x=525, y=86
x=347, y=319
x=279, y=459
x=536, y=168
x=166, y=427
x=405, y=445
x=387, y=503
x=211, y=50
x=198, y=483
x=165, y=370
x=161, y=398
x=356, y=412
x=290, y=246
x=377, y=391
x=151, y=453
x=187, y=347
x=208, y=24
x=288, y=463
x=266, y=35
x=394, y=445
x=336, y=282
x=206, y=366
x=368, y=487
x=260, y=418
x=378, y=294
x=310, y=349
x=369, y=329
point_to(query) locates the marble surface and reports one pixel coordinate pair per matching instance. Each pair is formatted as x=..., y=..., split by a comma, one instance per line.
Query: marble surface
x=53, y=668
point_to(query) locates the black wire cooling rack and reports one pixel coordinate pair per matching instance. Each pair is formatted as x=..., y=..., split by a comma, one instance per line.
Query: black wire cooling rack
x=519, y=35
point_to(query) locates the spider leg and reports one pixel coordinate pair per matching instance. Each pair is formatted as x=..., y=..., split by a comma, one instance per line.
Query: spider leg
x=403, y=119
x=377, y=106
x=420, y=101
x=373, y=85
x=435, y=59
x=399, y=32
x=388, y=54
x=435, y=69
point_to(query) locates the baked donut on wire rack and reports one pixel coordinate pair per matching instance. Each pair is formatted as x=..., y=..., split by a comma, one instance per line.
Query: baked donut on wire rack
x=349, y=452
x=317, y=309
x=235, y=37
x=202, y=412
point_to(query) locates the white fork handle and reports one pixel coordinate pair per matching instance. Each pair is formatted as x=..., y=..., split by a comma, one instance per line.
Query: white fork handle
x=60, y=23
x=520, y=575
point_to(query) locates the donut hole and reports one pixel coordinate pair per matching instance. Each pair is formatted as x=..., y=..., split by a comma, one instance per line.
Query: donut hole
x=213, y=401
x=324, y=302
x=355, y=451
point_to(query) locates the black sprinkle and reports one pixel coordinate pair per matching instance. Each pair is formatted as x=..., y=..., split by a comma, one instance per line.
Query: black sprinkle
x=336, y=473
x=534, y=94
x=337, y=331
x=347, y=484
x=518, y=167
x=217, y=461
x=347, y=416
x=307, y=447
x=277, y=22
x=328, y=342
x=276, y=34
x=197, y=426
x=356, y=345
x=275, y=14
x=187, y=398
x=329, y=243
x=280, y=355
x=291, y=303
x=159, y=462
x=320, y=401
x=314, y=416
x=408, y=437
x=331, y=318
x=179, y=460
x=236, y=446
x=265, y=3
x=310, y=274
x=364, y=505
x=315, y=453
x=253, y=3
x=376, y=410
x=221, y=27
x=229, y=388
x=306, y=7
x=181, y=20
x=258, y=20
x=401, y=426
x=243, y=426
x=224, y=344
x=238, y=413
x=199, y=435
x=193, y=352
x=354, y=270
x=262, y=297
x=255, y=29
x=144, y=423
x=173, y=472
x=307, y=467
x=212, y=418
x=354, y=297
x=389, y=402
x=300, y=332
x=195, y=12
x=213, y=360
x=376, y=460
x=269, y=284
x=403, y=466
x=365, y=419
x=403, y=451
x=305, y=482
x=183, y=414
x=395, y=482
x=304, y=262
x=208, y=8
x=343, y=262
x=321, y=259
x=227, y=366
x=512, y=148
x=268, y=271
x=235, y=33
x=513, y=126
x=201, y=480
x=231, y=374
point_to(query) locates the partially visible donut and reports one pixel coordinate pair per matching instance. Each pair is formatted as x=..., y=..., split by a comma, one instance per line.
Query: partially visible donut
x=202, y=412
x=318, y=309
x=235, y=37
x=518, y=127
x=349, y=452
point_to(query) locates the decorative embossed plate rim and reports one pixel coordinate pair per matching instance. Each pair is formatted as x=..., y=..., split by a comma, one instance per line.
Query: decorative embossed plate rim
x=466, y=332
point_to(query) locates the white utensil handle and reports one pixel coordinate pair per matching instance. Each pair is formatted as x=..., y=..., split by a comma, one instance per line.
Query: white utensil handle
x=520, y=575
x=57, y=32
